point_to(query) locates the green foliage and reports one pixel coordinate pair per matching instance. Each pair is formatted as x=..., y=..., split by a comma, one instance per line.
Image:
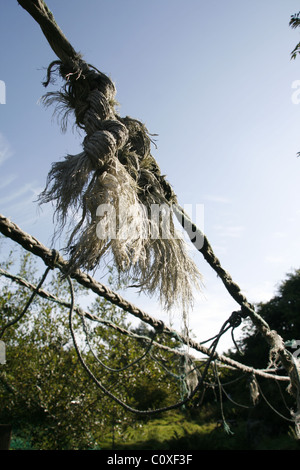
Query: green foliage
x=294, y=23
x=40, y=385
x=273, y=410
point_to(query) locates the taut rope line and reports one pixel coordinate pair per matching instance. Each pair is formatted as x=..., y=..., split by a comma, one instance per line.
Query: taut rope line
x=31, y=244
x=223, y=359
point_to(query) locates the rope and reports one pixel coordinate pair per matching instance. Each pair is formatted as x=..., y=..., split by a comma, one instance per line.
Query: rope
x=225, y=424
x=128, y=366
x=52, y=261
x=233, y=401
x=275, y=341
x=272, y=407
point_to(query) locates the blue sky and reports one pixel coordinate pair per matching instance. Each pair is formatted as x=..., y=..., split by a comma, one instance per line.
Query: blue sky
x=214, y=81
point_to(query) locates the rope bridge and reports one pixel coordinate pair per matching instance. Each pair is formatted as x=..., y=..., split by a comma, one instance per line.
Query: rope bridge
x=116, y=165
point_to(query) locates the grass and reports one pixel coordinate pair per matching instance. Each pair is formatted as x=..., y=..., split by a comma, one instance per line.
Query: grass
x=174, y=432
x=177, y=431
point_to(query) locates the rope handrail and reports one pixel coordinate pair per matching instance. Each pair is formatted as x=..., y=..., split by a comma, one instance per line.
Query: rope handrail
x=267, y=374
x=31, y=244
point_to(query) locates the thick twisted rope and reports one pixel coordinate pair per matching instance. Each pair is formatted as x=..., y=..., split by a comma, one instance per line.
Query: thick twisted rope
x=31, y=244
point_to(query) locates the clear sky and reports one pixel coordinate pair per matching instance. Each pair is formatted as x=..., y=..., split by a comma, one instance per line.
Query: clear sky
x=214, y=80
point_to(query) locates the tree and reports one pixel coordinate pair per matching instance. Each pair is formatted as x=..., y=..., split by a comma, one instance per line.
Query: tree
x=45, y=393
x=272, y=410
x=282, y=314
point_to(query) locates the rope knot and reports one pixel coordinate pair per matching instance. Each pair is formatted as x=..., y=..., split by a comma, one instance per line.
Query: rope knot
x=52, y=259
x=235, y=319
